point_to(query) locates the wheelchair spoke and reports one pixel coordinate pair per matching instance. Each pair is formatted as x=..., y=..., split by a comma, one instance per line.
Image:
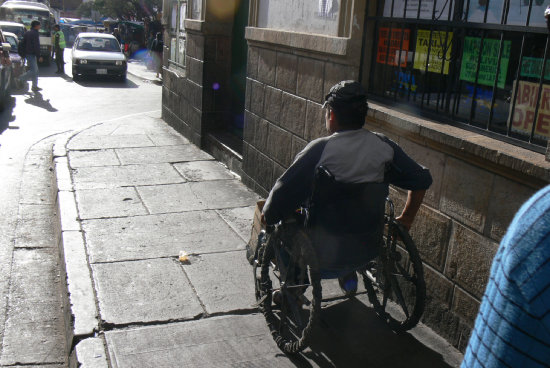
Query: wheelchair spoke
x=399, y=295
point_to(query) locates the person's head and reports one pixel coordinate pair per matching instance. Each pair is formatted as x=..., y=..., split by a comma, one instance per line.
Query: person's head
x=345, y=106
x=159, y=36
x=35, y=25
x=56, y=28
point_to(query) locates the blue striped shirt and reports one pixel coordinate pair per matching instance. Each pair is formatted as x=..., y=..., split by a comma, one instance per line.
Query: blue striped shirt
x=512, y=328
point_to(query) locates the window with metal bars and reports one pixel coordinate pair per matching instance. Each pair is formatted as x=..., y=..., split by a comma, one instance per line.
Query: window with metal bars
x=482, y=64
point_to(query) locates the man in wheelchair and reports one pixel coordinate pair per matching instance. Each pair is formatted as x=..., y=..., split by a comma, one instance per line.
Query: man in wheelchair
x=343, y=180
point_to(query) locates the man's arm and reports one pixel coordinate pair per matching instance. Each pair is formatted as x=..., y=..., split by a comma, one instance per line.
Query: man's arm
x=294, y=186
x=408, y=174
x=36, y=44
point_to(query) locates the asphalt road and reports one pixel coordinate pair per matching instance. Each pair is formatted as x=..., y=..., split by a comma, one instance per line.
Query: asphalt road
x=31, y=323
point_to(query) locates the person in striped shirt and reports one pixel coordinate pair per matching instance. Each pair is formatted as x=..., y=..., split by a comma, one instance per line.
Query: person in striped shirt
x=512, y=328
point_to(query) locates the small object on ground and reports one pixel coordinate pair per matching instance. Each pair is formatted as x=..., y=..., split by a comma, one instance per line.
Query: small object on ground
x=184, y=257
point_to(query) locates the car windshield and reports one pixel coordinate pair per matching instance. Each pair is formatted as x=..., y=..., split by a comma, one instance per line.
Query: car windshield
x=98, y=44
x=13, y=42
x=19, y=31
x=26, y=16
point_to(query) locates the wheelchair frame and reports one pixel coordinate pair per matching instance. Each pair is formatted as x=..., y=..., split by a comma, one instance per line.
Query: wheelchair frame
x=397, y=258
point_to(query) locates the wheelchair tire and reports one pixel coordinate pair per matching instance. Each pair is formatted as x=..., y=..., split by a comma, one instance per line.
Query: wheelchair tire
x=400, y=277
x=290, y=335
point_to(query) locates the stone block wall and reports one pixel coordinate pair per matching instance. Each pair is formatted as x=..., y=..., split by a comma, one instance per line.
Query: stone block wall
x=479, y=183
x=464, y=216
x=285, y=91
x=194, y=99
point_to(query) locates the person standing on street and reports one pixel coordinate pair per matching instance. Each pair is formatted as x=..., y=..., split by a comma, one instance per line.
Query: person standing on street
x=157, y=48
x=31, y=41
x=59, y=45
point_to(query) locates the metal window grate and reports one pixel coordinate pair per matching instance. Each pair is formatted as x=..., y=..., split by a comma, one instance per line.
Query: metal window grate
x=482, y=64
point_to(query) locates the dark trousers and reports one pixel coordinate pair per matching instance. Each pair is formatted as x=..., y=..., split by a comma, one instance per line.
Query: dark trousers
x=59, y=60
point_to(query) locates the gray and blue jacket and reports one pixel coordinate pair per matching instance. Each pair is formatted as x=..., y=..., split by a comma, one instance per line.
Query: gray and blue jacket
x=352, y=156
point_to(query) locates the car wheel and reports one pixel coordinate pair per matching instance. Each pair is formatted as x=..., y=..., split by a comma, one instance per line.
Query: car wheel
x=122, y=78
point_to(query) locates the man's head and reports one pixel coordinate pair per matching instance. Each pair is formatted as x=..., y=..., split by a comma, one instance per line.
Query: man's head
x=35, y=25
x=56, y=28
x=346, y=106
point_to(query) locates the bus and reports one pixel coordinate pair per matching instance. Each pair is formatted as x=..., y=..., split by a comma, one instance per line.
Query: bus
x=25, y=12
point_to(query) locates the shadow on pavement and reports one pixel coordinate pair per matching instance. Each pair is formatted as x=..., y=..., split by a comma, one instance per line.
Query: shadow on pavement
x=6, y=116
x=351, y=335
x=105, y=82
x=36, y=99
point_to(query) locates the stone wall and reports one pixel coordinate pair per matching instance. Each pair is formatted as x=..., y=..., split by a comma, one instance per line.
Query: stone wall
x=284, y=94
x=464, y=216
x=479, y=183
x=194, y=98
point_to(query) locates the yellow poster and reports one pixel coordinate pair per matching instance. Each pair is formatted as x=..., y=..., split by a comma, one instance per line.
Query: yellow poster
x=440, y=51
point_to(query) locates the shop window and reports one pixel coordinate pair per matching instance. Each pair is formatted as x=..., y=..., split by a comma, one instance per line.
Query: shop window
x=178, y=37
x=325, y=17
x=470, y=62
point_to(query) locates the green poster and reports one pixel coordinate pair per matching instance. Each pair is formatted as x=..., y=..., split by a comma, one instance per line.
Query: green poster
x=489, y=61
x=531, y=67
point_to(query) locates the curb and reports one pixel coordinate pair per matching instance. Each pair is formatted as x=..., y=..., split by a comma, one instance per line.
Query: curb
x=79, y=306
x=154, y=80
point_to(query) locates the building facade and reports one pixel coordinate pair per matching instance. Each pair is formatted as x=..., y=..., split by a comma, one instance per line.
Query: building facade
x=460, y=85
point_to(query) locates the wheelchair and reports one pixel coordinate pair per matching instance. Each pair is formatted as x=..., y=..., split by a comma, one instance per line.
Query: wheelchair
x=288, y=266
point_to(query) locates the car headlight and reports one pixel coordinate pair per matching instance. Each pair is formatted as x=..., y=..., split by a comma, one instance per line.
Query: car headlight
x=119, y=62
x=82, y=61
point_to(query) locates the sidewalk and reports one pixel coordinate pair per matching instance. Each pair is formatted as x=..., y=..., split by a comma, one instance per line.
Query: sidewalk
x=138, y=68
x=132, y=194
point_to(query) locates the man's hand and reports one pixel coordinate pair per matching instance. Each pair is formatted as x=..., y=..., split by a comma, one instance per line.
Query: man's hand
x=262, y=219
x=41, y=59
x=414, y=200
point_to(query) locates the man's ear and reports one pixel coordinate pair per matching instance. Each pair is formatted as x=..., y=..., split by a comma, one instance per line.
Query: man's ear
x=332, y=116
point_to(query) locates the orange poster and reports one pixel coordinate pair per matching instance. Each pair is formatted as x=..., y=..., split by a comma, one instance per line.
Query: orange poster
x=393, y=43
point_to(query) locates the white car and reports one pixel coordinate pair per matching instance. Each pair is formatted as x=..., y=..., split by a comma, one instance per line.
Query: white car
x=98, y=54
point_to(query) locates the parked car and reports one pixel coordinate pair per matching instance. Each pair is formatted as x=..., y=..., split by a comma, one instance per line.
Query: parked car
x=98, y=54
x=5, y=71
x=17, y=28
x=16, y=60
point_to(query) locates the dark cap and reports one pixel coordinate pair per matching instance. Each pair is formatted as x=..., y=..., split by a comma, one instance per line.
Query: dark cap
x=344, y=93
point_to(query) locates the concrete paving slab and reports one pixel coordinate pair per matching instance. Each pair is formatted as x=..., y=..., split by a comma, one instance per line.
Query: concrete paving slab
x=240, y=220
x=88, y=142
x=157, y=236
x=172, y=139
x=151, y=155
x=216, y=194
x=141, y=125
x=120, y=176
x=153, y=290
x=34, y=327
x=204, y=170
x=36, y=226
x=113, y=202
x=90, y=353
x=93, y=158
x=223, y=281
x=235, y=341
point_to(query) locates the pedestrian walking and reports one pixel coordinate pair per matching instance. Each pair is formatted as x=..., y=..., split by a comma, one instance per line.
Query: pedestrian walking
x=59, y=46
x=157, y=48
x=512, y=328
x=31, y=43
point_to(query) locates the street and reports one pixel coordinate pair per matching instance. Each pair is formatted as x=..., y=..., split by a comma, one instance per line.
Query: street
x=31, y=325
x=132, y=194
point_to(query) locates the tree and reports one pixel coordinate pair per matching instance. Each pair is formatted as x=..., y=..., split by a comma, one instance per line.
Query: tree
x=123, y=9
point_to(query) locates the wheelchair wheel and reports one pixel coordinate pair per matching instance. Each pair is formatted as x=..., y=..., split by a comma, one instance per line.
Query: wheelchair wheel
x=288, y=267
x=399, y=277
